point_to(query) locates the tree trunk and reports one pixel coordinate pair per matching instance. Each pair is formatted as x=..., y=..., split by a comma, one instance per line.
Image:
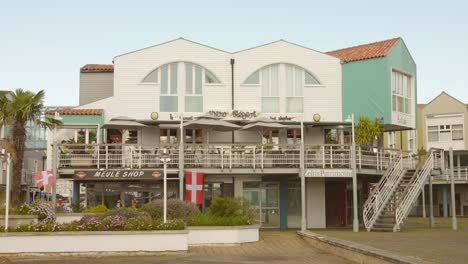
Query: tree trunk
x=19, y=136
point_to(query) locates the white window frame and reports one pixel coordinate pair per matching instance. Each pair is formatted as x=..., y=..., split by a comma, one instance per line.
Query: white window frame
x=392, y=140
x=412, y=136
x=294, y=69
x=394, y=74
x=169, y=81
x=441, y=128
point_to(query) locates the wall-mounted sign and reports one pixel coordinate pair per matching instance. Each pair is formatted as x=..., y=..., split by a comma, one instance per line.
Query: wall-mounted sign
x=329, y=173
x=316, y=117
x=117, y=174
x=154, y=116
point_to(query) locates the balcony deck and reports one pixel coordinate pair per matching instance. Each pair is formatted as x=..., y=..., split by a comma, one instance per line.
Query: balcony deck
x=232, y=158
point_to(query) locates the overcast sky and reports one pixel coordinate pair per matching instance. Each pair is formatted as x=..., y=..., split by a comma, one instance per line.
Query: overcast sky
x=44, y=43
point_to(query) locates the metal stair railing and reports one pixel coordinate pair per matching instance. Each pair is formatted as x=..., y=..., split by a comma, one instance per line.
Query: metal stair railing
x=414, y=187
x=383, y=192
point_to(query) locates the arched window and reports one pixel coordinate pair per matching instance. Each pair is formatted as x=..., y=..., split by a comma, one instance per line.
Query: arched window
x=193, y=76
x=293, y=78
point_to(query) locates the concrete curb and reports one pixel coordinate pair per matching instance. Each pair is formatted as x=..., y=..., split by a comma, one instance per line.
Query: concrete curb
x=356, y=252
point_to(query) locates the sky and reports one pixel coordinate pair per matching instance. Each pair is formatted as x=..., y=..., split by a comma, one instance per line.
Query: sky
x=44, y=43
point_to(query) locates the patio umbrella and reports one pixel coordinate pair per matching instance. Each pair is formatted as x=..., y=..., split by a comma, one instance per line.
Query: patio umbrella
x=210, y=122
x=123, y=122
x=263, y=124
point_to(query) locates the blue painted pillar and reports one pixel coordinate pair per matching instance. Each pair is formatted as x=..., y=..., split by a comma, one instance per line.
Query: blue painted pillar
x=283, y=204
x=76, y=192
x=445, y=200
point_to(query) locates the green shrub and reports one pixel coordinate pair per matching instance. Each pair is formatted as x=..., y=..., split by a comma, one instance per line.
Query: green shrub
x=97, y=209
x=211, y=220
x=231, y=207
x=77, y=207
x=176, y=209
x=127, y=212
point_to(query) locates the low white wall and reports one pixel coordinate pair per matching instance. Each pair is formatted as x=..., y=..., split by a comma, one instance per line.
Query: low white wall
x=222, y=234
x=68, y=218
x=17, y=220
x=151, y=241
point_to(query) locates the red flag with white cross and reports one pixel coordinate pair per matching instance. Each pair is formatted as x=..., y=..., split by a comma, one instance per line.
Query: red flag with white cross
x=44, y=178
x=194, y=187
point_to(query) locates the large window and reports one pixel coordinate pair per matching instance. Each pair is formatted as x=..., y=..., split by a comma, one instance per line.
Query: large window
x=193, y=88
x=193, y=136
x=401, y=92
x=445, y=133
x=169, y=100
x=168, y=136
x=291, y=77
x=412, y=141
x=392, y=140
x=293, y=136
x=194, y=76
x=77, y=135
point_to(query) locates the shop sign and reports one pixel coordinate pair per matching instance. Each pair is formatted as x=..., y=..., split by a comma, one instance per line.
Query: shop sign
x=117, y=174
x=328, y=173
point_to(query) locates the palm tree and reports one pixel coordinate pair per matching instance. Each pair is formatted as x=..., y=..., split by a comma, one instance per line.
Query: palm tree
x=367, y=130
x=20, y=108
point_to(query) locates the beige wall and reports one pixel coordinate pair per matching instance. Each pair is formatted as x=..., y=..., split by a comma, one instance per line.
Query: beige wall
x=95, y=86
x=442, y=104
x=315, y=202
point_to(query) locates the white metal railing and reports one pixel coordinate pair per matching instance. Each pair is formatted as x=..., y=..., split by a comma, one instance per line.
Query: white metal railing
x=329, y=156
x=460, y=175
x=383, y=191
x=414, y=187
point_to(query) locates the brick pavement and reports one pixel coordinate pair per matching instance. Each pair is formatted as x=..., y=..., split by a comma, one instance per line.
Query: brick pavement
x=273, y=247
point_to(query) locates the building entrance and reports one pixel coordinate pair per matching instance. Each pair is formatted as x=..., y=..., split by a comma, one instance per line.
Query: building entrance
x=264, y=198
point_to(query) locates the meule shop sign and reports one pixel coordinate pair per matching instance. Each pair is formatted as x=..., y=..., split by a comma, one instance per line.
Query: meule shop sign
x=117, y=174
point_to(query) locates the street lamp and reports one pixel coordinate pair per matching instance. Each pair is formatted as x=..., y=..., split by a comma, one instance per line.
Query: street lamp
x=55, y=161
x=353, y=168
x=165, y=159
x=6, y=158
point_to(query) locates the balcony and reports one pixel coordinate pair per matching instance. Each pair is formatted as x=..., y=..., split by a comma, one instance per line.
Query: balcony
x=225, y=156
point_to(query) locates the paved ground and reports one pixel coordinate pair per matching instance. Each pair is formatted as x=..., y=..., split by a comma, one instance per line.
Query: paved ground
x=273, y=247
x=438, y=245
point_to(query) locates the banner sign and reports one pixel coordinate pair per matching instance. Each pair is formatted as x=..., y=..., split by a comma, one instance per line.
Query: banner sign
x=118, y=175
x=194, y=187
x=328, y=173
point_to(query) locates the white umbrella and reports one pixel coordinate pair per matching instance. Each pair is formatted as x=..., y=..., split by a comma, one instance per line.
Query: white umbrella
x=263, y=124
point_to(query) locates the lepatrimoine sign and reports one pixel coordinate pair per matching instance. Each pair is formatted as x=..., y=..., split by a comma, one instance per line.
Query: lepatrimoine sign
x=117, y=175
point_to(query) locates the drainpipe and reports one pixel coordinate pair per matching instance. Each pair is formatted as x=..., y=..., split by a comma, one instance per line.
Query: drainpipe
x=232, y=93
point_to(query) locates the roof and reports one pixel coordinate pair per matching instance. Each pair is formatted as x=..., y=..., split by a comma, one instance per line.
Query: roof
x=97, y=68
x=366, y=51
x=76, y=112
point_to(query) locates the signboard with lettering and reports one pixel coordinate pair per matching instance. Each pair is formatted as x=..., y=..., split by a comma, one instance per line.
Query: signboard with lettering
x=329, y=173
x=118, y=175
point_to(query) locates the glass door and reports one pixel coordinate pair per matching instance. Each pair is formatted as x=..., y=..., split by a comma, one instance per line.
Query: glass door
x=264, y=199
x=269, y=205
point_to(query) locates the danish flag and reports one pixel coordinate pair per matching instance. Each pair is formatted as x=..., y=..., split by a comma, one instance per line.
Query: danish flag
x=194, y=187
x=44, y=178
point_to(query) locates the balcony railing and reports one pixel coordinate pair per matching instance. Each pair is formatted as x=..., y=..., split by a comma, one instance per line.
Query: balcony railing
x=226, y=156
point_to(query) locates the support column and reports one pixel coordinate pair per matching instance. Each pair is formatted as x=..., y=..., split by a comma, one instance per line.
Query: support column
x=445, y=200
x=431, y=207
x=423, y=195
x=452, y=191
x=302, y=176
x=76, y=192
x=181, y=158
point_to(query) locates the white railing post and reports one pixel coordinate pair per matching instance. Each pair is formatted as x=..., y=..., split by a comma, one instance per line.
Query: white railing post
x=140, y=157
x=230, y=157
x=323, y=156
x=331, y=156
x=98, y=156
x=254, y=156
x=131, y=158
x=107, y=156
x=377, y=160
x=262, y=157
x=360, y=157
x=222, y=157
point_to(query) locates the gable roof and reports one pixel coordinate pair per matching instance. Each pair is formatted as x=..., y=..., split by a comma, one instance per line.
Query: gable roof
x=76, y=112
x=365, y=51
x=97, y=68
x=444, y=93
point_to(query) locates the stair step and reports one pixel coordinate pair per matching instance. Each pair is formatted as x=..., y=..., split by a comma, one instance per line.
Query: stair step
x=382, y=225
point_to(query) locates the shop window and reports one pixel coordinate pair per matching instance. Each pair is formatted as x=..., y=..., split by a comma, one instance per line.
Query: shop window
x=193, y=136
x=293, y=136
x=122, y=136
x=271, y=137
x=331, y=136
x=168, y=136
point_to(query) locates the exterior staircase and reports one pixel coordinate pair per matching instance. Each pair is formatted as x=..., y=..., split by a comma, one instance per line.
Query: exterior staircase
x=391, y=201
